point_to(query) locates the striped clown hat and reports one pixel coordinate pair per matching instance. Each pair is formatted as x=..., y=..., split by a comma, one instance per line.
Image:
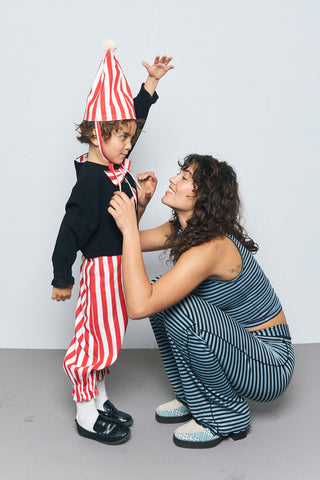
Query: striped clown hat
x=110, y=97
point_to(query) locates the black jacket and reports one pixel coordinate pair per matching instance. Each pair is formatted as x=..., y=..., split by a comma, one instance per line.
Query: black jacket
x=87, y=226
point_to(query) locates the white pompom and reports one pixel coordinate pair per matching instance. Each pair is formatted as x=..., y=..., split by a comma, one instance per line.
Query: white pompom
x=109, y=45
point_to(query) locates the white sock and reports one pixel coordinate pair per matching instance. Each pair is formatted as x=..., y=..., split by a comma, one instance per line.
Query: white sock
x=87, y=414
x=102, y=397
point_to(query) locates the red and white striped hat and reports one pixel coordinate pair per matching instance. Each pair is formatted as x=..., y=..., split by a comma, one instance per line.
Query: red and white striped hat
x=110, y=97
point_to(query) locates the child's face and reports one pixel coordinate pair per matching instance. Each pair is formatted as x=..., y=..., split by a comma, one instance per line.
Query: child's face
x=116, y=148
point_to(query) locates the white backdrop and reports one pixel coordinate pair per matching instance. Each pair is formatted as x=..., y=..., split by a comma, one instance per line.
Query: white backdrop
x=245, y=89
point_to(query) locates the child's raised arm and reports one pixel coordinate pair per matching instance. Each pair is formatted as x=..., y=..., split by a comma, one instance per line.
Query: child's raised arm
x=156, y=71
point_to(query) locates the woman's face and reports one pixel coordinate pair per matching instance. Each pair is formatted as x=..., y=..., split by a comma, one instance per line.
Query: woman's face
x=180, y=195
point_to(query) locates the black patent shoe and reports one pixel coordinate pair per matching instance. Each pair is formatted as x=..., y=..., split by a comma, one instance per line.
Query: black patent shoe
x=110, y=411
x=106, y=431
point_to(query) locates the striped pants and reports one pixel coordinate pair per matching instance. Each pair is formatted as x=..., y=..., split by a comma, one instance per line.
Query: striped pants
x=101, y=321
x=212, y=363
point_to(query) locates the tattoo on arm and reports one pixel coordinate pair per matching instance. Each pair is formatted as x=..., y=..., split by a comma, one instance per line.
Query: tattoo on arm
x=236, y=269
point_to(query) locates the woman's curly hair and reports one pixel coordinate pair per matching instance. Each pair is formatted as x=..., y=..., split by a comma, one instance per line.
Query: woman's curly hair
x=216, y=211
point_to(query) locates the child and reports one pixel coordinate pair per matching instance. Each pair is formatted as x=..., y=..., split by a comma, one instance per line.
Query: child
x=109, y=127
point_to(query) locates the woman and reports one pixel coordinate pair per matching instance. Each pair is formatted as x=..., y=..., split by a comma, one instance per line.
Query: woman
x=219, y=325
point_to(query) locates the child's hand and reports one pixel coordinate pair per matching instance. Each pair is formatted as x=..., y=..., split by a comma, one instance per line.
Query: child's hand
x=61, y=293
x=160, y=66
x=148, y=183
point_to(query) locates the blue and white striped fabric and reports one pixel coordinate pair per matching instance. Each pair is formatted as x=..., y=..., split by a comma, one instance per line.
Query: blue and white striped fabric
x=249, y=298
x=213, y=362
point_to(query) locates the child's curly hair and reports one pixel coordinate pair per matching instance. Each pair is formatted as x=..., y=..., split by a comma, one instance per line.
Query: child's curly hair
x=85, y=129
x=216, y=211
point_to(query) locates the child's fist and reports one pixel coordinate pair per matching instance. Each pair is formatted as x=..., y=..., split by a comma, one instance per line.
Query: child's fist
x=61, y=293
x=148, y=183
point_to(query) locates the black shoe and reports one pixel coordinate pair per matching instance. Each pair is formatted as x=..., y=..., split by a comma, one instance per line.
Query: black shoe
x=106, y=431
x=110, y=411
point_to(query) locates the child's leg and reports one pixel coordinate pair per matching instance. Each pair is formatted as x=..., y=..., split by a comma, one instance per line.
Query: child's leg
x=87, y=410
x=103, y=404
x=101, y=321
x=87, y=414
x=102, y=396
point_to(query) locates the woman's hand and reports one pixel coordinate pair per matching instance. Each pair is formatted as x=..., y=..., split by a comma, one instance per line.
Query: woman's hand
x=123, y=210
x=148, y=183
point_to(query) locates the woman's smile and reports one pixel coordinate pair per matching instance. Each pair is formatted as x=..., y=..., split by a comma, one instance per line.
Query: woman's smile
x=170, y=190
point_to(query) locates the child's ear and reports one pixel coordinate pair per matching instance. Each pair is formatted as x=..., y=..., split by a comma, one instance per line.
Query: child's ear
x=93, y=138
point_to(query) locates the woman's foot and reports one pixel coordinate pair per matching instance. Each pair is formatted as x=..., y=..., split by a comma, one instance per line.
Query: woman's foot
x=172, y=412
x=194, y=435
x=110, y=411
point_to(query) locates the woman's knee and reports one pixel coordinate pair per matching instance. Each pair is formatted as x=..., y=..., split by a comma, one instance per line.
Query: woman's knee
x=191, y=314
x=180, y=317
x=196, y=314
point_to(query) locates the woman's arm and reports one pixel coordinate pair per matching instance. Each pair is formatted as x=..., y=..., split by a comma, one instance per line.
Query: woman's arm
x=144, y=299
x=155, y=238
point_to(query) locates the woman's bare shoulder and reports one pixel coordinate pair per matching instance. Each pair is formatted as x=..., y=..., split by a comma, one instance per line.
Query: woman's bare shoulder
x=226, y=258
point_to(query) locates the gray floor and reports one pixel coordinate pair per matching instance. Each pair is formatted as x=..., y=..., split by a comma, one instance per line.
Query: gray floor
x=39, y=440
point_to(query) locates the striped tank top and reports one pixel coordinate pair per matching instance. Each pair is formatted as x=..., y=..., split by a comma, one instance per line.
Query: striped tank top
x=249, y=298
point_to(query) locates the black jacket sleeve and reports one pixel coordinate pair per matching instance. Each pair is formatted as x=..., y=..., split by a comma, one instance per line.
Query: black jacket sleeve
x=142, y=103
x=78, y=224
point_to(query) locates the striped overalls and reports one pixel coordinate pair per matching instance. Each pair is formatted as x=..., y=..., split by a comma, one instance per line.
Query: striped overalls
x=101, y=322
x=212, y=361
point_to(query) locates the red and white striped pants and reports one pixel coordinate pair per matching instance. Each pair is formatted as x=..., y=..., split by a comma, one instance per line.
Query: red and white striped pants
x=101, y=322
